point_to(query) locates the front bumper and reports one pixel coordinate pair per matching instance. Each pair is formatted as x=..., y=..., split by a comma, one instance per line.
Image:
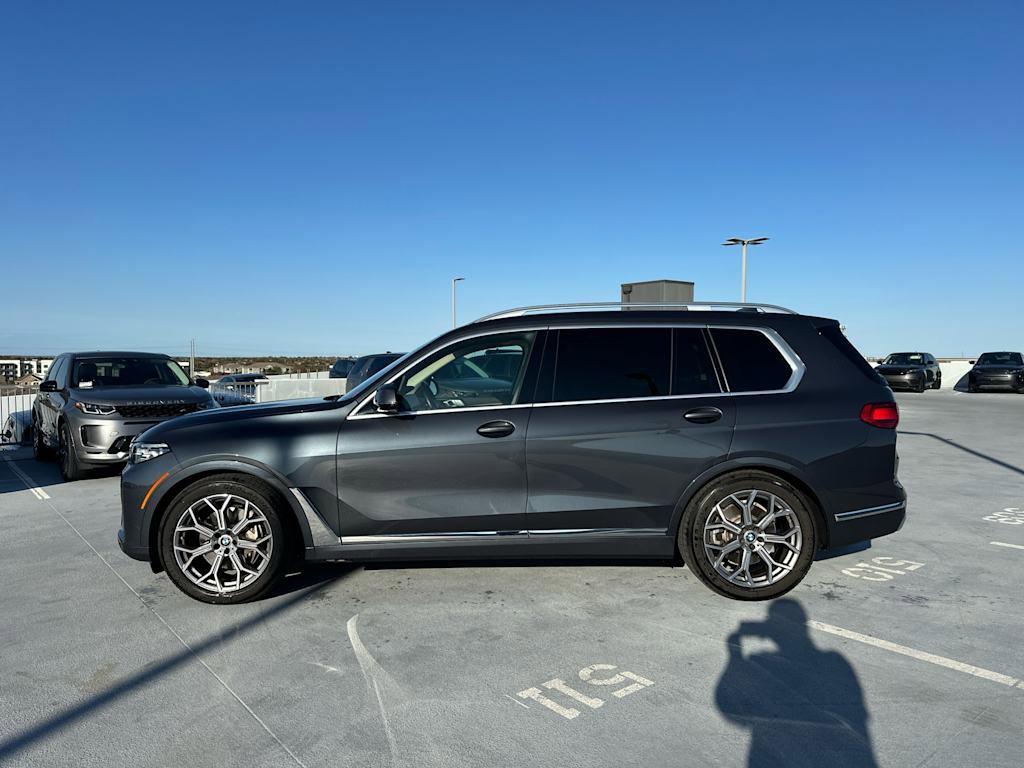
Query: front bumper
x=105, y=439
x=904, y=381
x=1006, y=382
x=138, y=503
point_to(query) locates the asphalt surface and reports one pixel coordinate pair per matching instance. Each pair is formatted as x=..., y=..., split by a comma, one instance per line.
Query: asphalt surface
x=905, y=654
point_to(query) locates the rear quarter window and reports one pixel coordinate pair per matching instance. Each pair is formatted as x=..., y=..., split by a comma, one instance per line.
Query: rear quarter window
x=835, y=335
x=751, y=362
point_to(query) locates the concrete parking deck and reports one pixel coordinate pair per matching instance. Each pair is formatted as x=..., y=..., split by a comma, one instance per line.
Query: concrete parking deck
x=905, y=654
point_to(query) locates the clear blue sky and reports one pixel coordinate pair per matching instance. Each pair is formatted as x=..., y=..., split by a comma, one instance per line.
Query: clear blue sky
x=306, y=177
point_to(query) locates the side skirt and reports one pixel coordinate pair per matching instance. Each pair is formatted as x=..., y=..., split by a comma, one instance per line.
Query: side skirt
x=511, y=546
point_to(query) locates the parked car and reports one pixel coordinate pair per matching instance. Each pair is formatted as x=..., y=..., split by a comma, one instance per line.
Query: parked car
x=92, y=404
x=341, y=367
x=612, y=434
x=367, y=366
x=916, y=371
x=997, y=370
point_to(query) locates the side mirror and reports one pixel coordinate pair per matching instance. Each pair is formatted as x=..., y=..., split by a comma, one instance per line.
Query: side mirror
x=972, y=362
x=385, y=400
x=48, y=386
x=203, y=383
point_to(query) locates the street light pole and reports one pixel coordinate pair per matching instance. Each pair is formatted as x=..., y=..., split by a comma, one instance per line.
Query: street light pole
x=743, y=273
x=454, y=281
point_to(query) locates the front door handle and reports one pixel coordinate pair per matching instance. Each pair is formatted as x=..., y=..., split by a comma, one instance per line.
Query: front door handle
x=496, y=429
x=705, y=415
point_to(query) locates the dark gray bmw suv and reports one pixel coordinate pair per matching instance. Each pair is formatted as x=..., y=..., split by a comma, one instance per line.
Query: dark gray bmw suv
x=745, y=441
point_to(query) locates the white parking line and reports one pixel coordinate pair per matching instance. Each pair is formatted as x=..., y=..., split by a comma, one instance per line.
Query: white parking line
x=931, y=658
x=28, y=482
x=1004, y=544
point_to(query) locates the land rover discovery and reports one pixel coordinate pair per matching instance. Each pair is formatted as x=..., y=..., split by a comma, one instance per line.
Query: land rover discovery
x=744, y=441
x=92, y=404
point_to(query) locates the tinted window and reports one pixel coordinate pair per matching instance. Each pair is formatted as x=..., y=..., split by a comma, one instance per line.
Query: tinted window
x=1001, y=358
x=692, y=371
x=379, y=363
x=126, y=371
x=834, y=334
x=608, y=363
x=751, y=361
x=455, y=378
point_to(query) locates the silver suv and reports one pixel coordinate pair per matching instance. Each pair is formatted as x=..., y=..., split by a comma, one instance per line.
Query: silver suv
x=92, y=404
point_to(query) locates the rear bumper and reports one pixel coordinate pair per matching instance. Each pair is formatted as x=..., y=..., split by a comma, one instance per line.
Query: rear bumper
x=857, y=525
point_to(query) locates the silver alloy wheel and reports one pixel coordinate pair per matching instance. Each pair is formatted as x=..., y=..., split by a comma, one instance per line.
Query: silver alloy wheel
x=752, y=538
x=223, y=543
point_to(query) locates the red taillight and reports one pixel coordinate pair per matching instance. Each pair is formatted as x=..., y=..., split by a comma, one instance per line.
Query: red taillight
x=884, y=415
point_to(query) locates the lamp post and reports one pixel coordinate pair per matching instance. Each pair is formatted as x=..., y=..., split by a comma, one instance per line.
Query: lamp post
x=454, y=281
x=743, y=279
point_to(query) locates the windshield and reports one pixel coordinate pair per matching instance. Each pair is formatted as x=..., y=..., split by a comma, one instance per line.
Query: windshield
x=127, y=372
x=905, y=358
x=1001, y=358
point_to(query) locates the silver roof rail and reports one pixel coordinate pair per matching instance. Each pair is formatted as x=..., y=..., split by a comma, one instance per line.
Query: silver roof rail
x=704, y=306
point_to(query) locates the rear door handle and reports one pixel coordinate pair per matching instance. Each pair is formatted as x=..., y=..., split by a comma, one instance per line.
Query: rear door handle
x=705, y=415
x=496, y=429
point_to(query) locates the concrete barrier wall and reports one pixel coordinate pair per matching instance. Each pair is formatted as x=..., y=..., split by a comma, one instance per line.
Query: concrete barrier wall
x=292, y=389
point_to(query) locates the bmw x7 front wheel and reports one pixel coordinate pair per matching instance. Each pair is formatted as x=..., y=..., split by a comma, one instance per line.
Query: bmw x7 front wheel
x=222, y=540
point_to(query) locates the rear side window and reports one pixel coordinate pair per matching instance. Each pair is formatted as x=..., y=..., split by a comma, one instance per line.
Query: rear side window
x=610, y=363
x=692, y=370
x=752, y=363
x=834, y=334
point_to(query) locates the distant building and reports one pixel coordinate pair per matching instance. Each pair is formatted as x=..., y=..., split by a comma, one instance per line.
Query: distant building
x=28, y=380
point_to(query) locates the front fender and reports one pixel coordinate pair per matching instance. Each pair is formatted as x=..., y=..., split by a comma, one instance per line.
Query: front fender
x=184, y=474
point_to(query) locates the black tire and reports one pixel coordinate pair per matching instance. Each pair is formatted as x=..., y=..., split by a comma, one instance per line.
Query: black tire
x=938, y=383
x=40, y=450
x=67, y=457
x=920, y=387
x=691, y=533
x=256, y=493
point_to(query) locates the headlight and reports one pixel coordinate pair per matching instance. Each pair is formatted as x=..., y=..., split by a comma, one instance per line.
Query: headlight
x=141, y=452
x=95, y=410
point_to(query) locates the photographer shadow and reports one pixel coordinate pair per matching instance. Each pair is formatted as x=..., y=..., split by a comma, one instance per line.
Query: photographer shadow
x=802, y=705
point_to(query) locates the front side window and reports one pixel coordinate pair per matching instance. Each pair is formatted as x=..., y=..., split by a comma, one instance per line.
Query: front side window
x=752, y=363
x=462, y=376
x=612, y=363
x=126, y=372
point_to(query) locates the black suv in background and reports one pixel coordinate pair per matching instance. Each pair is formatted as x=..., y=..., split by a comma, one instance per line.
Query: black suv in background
x=368, y=366
x=997, y=370
x=746, y=441
x=340, y=368
x=916, y=371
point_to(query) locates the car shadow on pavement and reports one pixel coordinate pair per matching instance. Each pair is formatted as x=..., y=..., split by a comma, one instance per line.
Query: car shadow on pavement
x=802, y=705
x=150, y=673
x=965, y=449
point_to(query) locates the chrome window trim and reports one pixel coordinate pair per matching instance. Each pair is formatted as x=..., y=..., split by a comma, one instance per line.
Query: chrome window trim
x=790, y=356
x=854, y=514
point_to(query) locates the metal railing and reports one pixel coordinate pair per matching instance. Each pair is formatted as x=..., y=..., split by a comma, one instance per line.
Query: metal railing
x=16, y=413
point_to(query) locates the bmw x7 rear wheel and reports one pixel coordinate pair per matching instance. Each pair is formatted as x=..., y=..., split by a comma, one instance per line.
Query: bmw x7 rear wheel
x=222, y=540
x=748, y=535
